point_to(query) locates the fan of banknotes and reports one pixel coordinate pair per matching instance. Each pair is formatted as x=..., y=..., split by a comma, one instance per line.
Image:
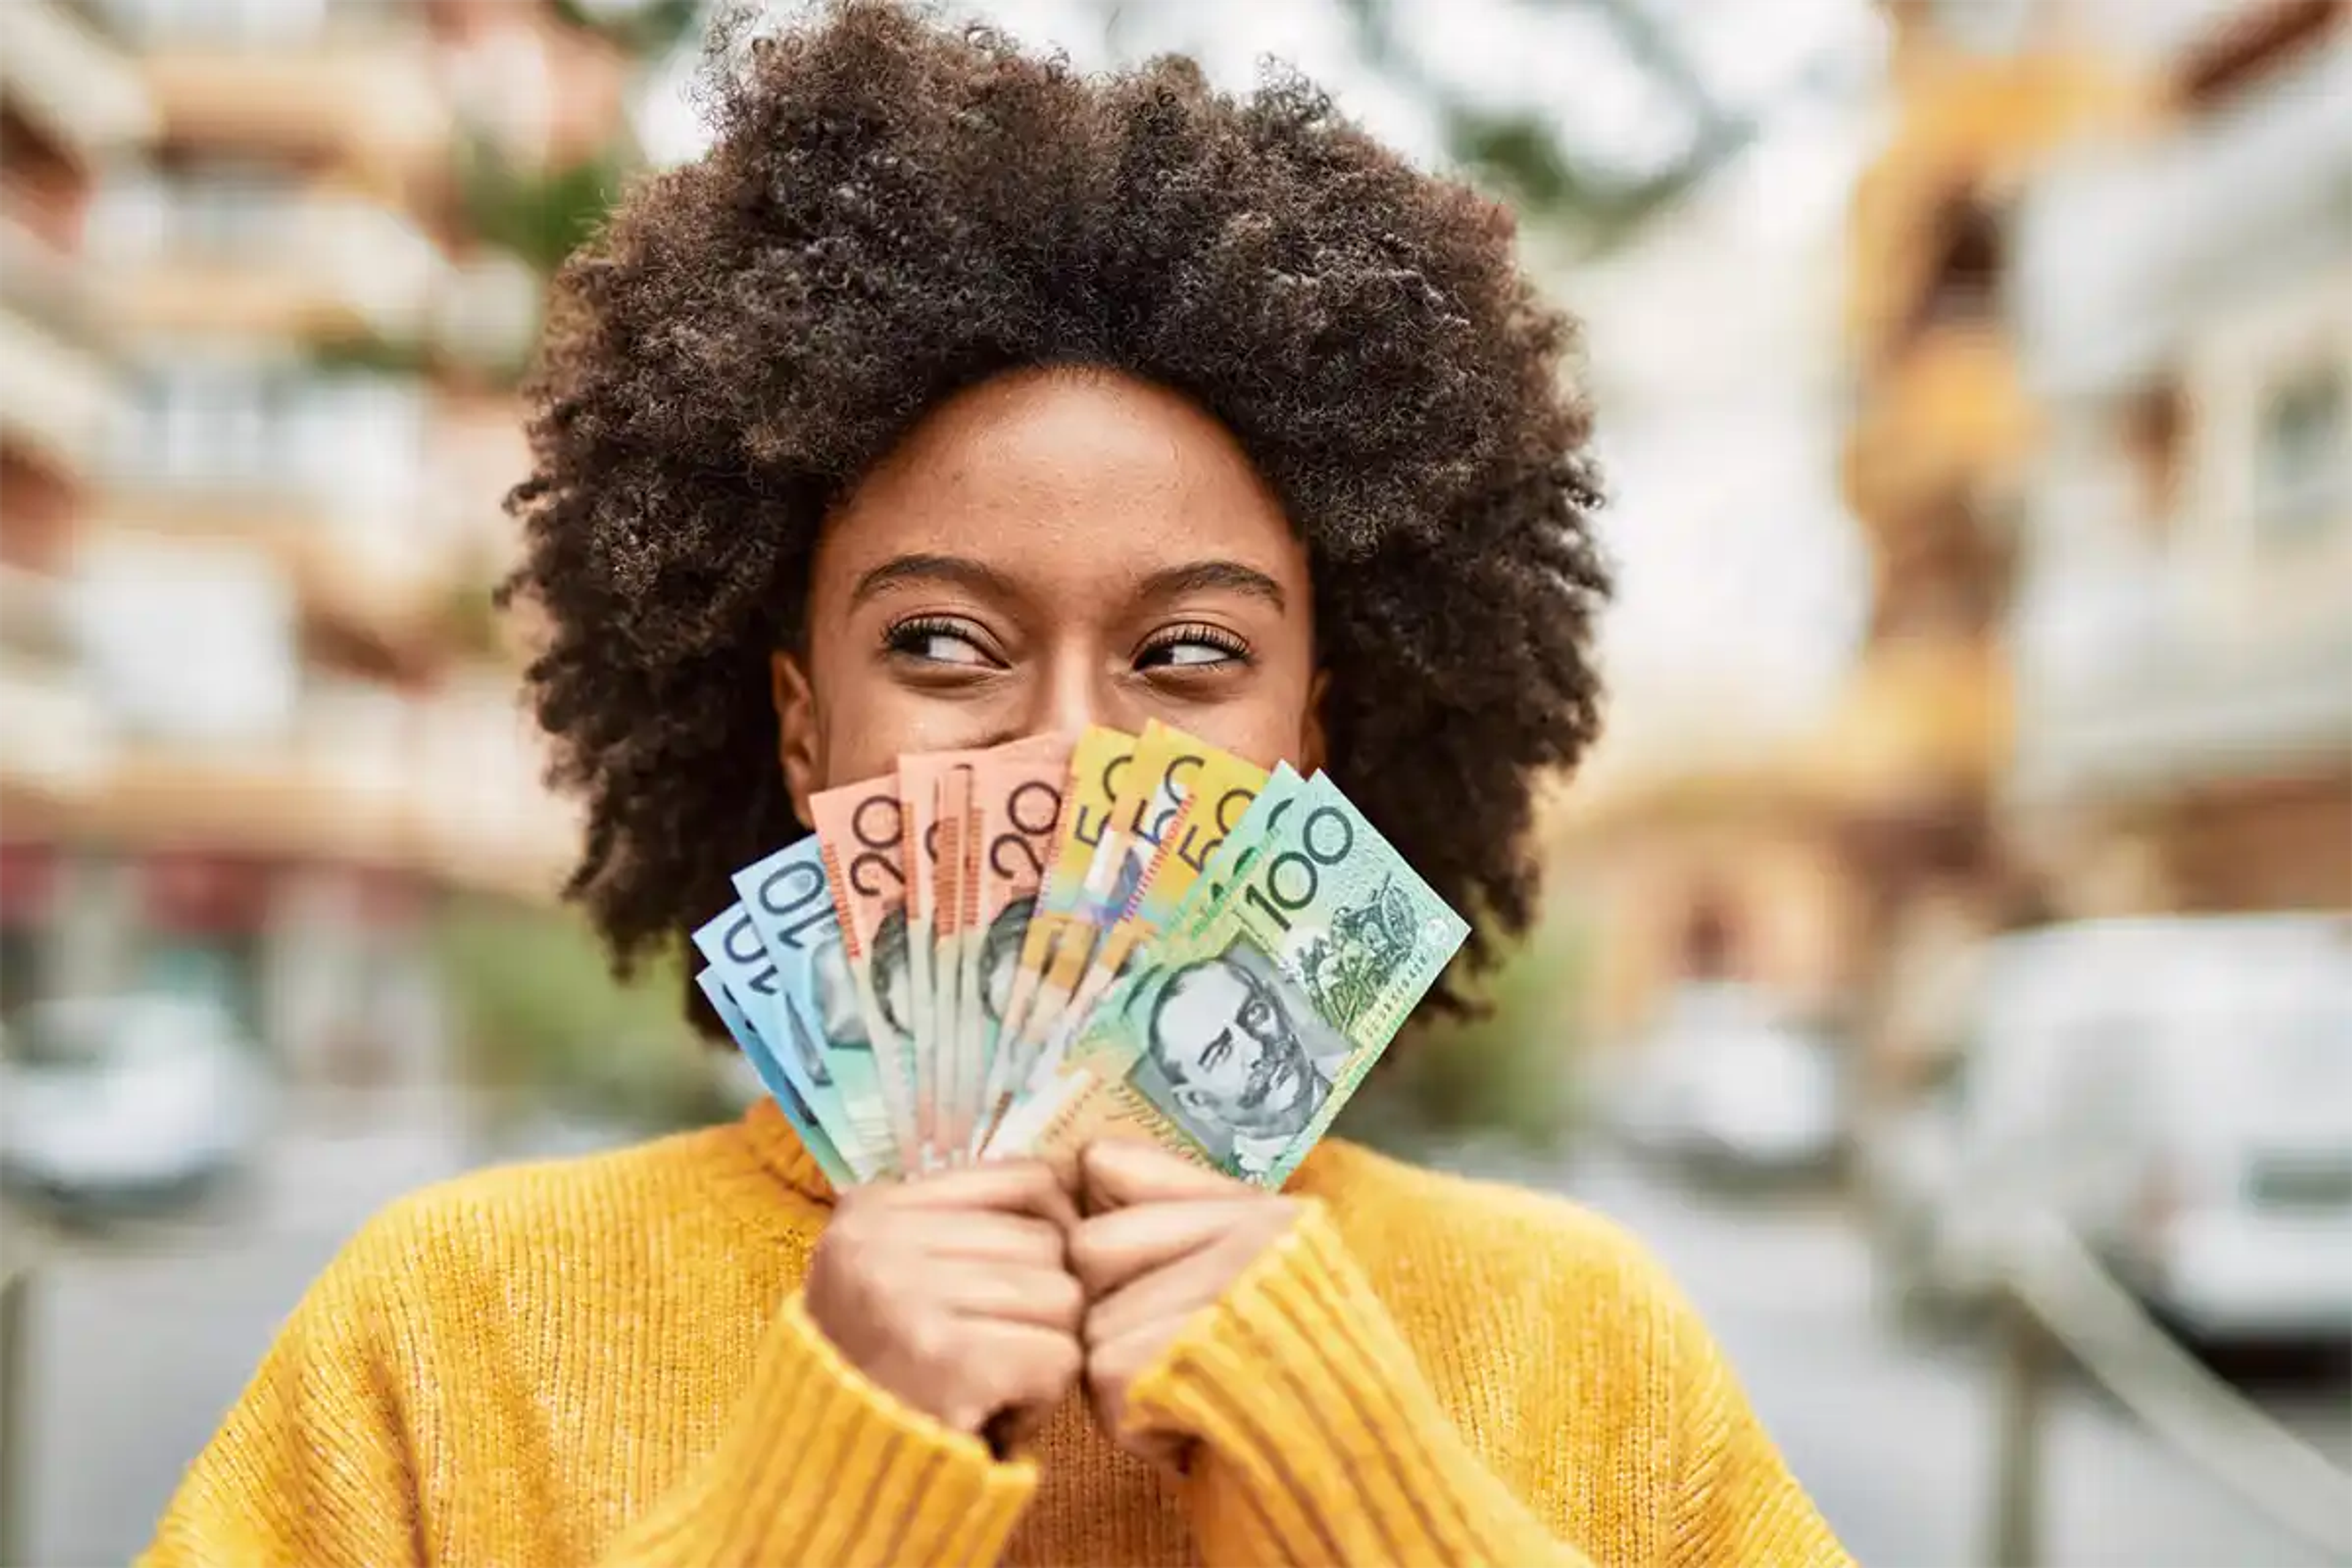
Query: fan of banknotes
x=1010, y=951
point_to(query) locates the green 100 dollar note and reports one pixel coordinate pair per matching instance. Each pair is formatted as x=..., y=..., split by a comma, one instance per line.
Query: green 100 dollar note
x=1247, y=1029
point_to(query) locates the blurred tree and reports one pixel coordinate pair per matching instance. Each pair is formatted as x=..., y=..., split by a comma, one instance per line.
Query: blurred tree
x=1584, y=193
x=544, y=1026
x=372, y=352
x=1525, y=158
x=541, y=214
x=1507, y=1073
x=469, y=618
x=646, y=29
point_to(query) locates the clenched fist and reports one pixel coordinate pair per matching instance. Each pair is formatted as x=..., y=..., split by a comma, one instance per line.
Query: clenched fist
x=1165, y=1239
x=953, y=1292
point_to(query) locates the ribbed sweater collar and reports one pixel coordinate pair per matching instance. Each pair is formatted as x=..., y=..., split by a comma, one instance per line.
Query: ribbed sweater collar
x=780, y=1149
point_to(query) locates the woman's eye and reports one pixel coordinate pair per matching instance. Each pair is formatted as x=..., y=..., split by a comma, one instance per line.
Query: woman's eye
x=939, y=643
x=1191, y=649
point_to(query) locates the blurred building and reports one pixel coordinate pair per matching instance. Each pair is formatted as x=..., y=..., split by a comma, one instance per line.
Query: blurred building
x=73, y=106
x=1702, y=840
x=2181, y=299
x=1834, y=853
x=259, y=722
x=1942, y=431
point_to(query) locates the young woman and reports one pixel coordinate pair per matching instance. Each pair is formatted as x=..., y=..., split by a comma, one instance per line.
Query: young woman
x=951, y=398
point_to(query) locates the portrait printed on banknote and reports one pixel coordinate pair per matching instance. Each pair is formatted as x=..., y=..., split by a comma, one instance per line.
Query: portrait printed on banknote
x=836, y=987
x=837, y=996
x=1236, y=1055
x=892, y=967
x=1000, y=955
x=803, y=1046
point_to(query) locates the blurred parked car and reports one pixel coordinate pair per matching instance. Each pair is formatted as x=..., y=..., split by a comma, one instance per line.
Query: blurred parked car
x=1725, y=1085
x=2177, y=1091
x=129, y=1103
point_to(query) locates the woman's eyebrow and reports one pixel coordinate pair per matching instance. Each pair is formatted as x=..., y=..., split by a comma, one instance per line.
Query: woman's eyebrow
x=1198, y=576
x=952, y=570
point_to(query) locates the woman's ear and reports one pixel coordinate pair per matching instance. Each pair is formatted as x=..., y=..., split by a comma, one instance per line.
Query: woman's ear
x=1311, y=739
x=796, y=730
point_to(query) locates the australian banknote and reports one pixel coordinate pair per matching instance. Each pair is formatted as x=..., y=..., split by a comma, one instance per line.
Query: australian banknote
x=755, y=1049
x=786, y=896
x=1019, y=797
x=1145, y=829
x=921, y=782
x=1243, y=1031
x=1054, y=949
x=740, y=960
x=861, y=830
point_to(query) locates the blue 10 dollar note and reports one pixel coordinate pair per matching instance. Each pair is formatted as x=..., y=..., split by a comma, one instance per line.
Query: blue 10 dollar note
x=790, y=905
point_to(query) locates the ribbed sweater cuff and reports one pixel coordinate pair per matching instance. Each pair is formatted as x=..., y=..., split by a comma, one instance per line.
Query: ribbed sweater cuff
x=1323, y=1441
x=820, y=1465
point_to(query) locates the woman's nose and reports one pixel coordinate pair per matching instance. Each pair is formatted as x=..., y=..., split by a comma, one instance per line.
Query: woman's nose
x=1076, y=690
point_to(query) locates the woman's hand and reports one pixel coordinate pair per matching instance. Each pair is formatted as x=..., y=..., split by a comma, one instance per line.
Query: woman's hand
x=1165, y=1239
x=953, y=1292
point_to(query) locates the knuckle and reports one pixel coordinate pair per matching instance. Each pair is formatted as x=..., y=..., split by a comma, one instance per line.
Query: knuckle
x=1088, y=1254
x=1278, y=1216
x=926, y=1338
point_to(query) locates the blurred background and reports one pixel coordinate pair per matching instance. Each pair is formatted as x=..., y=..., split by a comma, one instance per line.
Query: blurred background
x=1971, y=844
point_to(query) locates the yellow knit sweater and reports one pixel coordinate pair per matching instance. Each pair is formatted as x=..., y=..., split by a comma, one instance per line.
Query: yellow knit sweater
x=606, y=1361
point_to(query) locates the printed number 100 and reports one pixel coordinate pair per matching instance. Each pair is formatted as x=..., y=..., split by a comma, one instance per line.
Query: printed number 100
x=1293, y=877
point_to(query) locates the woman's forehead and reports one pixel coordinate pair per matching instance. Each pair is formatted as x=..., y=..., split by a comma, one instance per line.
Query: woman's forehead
x=1090, y=471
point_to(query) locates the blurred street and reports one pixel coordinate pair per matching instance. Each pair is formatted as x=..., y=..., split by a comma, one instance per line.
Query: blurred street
x=1895, y=1439
x=1972, y=386
x=138, y=1346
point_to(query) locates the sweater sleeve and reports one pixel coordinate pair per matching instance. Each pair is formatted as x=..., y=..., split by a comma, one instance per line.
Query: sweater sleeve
x=1736, y=1500
x=821, y=1465
x=1322, y=1441
x=314, y=1464
x=311, y=1464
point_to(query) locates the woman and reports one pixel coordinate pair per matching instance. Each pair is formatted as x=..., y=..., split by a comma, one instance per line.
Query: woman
x=952, y=398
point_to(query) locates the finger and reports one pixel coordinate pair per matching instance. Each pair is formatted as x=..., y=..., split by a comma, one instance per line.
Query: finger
x=1040, y=1298
x=1018, y=1366
x=1010, y=1187
x=1110, y=1250
x=1162, y=1298
x=1001, y=1237
x=1114, y=1172
x=1112, y=1367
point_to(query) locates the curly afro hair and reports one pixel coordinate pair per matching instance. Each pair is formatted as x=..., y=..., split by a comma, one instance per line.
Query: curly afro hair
x=893, y=211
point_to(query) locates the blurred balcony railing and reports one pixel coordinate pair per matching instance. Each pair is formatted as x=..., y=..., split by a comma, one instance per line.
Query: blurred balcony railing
x=342, y=78
x=484, y=817
x=280, y=442
x=253, y=259
x=2119, y=686
x=72, y=82
x=239, y=750
x=2151, y=35
x=53, y=735
x=343, y=782
x=59, y=392
x=2122, y=247
x=321, y=474
x=256, y=801
x=382, y=603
